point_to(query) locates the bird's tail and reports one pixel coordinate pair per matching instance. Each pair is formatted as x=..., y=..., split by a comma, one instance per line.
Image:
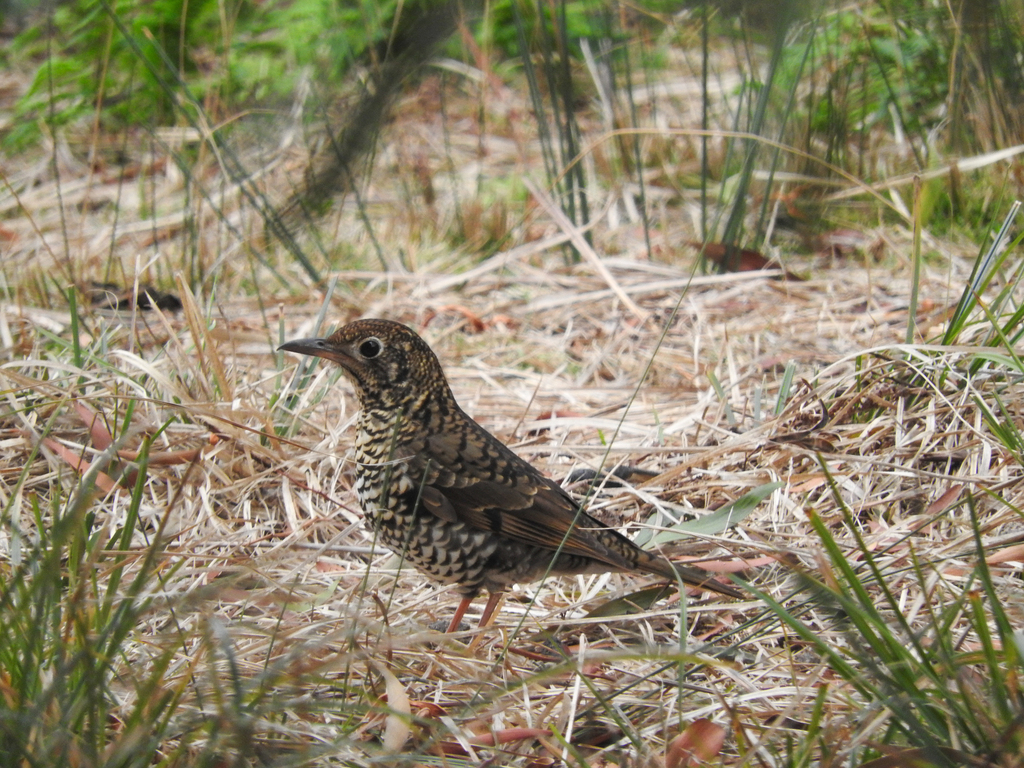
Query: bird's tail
x=694, y=577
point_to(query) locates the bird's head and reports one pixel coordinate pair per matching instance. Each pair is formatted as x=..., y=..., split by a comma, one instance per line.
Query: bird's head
x=390, y=365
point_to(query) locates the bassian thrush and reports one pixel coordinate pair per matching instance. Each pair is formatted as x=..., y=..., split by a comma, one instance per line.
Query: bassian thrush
x=448, y=496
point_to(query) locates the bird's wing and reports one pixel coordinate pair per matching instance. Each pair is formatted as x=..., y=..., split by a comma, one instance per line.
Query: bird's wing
x=490, y=488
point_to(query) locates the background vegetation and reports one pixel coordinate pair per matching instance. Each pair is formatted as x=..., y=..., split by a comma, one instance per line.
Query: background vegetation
x=766, y=251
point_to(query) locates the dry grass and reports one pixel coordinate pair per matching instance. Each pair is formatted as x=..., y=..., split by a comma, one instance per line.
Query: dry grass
x=271, y=582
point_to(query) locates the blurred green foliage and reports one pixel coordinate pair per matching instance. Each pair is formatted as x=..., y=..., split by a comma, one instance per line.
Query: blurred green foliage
x=133, y=59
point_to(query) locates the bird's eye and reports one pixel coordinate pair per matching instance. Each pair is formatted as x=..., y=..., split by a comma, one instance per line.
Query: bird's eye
x=370, y=348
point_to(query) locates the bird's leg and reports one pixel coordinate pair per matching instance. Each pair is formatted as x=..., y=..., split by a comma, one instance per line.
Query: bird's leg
x=459, y=613
x=492, y=602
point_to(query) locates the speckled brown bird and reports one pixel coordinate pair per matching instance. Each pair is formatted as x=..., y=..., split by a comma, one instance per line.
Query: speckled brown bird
x=449, y=497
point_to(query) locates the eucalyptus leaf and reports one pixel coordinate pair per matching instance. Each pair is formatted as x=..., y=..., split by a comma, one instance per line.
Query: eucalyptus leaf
x=720, y=520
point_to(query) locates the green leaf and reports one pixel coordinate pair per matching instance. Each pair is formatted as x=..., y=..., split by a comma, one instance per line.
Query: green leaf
x=721, y=519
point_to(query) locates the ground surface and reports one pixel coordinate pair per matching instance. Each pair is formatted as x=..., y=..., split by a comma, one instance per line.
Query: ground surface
x=716, y=385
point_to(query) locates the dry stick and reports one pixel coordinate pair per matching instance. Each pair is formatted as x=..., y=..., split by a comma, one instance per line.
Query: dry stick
x=576, y=236
x=964, y=164
x=493, y=264
x=504, y=259
x=553, y=301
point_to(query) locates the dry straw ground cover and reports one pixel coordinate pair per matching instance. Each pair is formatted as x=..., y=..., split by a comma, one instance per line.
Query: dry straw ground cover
x=275, y=630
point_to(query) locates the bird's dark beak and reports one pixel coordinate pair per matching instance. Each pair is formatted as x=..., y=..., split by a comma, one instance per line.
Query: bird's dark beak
x=316, y=348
